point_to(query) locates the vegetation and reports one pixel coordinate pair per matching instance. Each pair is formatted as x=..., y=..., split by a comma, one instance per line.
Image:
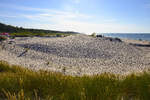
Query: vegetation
x=93, y=34
x=19, y=31
x=99, y=35
x=2, y=38
x=30, y=34
x=17, y=83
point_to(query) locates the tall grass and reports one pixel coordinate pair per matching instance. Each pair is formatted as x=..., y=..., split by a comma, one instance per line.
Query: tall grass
x=17, y=83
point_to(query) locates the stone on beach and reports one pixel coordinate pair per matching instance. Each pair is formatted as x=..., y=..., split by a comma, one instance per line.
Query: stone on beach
x=78, y=54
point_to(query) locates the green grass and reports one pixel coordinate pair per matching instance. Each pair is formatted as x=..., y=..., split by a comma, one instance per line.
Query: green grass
x=29, y=34
x=17, y=83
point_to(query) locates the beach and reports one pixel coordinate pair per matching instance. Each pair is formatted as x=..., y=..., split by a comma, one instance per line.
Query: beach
x=78, y=54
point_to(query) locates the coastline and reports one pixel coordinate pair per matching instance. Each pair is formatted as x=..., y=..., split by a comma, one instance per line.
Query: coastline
x=144, y=42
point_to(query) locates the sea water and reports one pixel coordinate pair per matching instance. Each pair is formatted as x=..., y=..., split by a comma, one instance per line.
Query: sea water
x=135, y=36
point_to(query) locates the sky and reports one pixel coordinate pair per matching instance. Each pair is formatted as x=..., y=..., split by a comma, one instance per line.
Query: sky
x=85, y=16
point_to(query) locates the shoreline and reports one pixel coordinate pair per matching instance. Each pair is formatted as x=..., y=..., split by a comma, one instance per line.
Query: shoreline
x=146, y=42
x=130, y=36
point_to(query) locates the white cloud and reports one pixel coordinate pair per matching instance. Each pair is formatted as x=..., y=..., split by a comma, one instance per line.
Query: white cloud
x=72, y=21
x=66, y=23
x=69, y=22
x=8, y=16
x=24, y=8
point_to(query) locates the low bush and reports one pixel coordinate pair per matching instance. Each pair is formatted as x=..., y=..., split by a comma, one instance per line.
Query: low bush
x=2, y=38
x=99, y=35
x=118, y=39
x=93, y=34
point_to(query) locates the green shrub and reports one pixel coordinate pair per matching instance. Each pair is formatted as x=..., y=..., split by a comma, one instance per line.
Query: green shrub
x=93, y=34
x=58, y=35
x=2, y=38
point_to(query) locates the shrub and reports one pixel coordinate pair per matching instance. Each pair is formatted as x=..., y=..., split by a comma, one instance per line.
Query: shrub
x=99, y=36
x=2, y=38
x=118, y=39
x=93, y=34
x=113, y=39
x=58, y=35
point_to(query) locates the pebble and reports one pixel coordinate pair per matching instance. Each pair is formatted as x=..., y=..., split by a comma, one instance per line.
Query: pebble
x=78, y=54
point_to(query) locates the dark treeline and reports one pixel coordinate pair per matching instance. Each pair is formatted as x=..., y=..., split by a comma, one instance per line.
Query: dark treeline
x=14, y=30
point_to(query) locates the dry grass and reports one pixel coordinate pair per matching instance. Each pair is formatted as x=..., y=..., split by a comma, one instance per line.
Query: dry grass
x=17, y=83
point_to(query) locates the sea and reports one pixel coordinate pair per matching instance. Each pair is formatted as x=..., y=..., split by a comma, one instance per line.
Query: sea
x=135, y=36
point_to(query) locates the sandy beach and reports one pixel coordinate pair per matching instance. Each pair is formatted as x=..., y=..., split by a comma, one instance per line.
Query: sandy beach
x=78, y=54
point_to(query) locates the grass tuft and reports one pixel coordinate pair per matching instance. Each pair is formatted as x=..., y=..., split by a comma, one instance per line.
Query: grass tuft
x=18, y=83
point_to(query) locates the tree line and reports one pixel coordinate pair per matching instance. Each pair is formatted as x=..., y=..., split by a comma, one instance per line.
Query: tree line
x=20, y=31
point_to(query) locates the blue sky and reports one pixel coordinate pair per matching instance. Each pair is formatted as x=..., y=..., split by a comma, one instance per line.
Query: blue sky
x=87, y=16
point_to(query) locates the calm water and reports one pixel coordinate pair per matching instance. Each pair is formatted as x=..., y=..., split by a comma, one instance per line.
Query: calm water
x=145, y=36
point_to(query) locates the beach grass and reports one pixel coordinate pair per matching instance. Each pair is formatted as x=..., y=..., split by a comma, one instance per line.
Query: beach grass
x=18, y=83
